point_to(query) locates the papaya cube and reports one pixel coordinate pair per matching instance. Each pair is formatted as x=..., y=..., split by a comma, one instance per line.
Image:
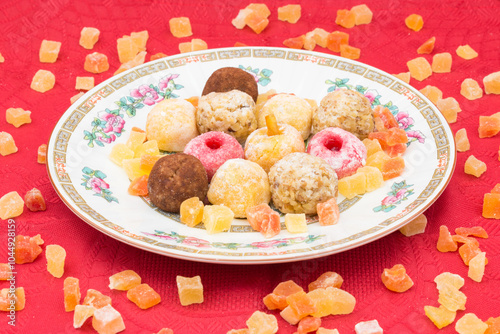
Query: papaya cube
x=449, y=107
x=107, y=320
x=18, y=116
x=127, y=49
x=259, y=8
x=239, y=21
x=441, y=62
x=414, y=22
x=325, y=280
x=185, y=47
x=491, y=83
x=353, y=185
x=390, y=167
x=56, y=256
x=309, y=42
x=180, y=27
x=71, y=293
x=332, y=301
x=328, y=212
x=140, y=39
x=198, y=44
x=296, y=222
x=476, y=231
x=42, y=154
x=2, y=59
x=403, y=76
x=96, y=299
x=308, y=324
x=470, y=89
x=135, y=139
x=476, y=267
x=336, y=39
x=277, y=299
x=466, y=52
x=190, y=290
x=320, y=37
x=489, y=126
x=96, y=63
x=11, y=205
x=84, y=83
x=374, y=177
x=372, y=146
x=440, y=316
x=88, y=37
x=416, y=226
x=432, y=93
x=132, y=168
x=446, y=278
x=427, y=47
x=138, y=60
x=82, y=313
x=124, y=280
x=470, y=323
x=264, y=219
x=368, y=327
x=139, y=186
x=396, y=279
x=12, y=300
x=345, y=18
x=445, y=242
x=474, y=166
x=301, y=304
x=148, y=161
x=191, y=211
x=295, y=42
x=491, y=205
x=290, y=316
x=289, y=13
x=260, y=322
x=256, y=22
x=349, y=52
x=75, y=97
x=150, y=147
x=143, y=296
x=49, y=50
x=43, y=81
x=217, y=218
x=419, y=68
x=120, y=152
x=362, y=14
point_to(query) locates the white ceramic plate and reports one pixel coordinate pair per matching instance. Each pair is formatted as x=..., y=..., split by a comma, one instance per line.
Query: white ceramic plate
x=96, y=189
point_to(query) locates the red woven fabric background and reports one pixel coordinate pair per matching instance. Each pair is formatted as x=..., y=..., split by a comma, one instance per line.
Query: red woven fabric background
x=233, y=293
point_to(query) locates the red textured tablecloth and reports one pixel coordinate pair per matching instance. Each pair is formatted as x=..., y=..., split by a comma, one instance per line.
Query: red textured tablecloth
x=232, y=292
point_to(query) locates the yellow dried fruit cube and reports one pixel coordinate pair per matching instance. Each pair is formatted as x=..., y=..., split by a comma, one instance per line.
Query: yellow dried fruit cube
x=432, y=93
x=190, y=290
x=11, y=205
x=309, y=42
x=419, y=68
x=133, y=168
x=217, y=218
x=260, y=322
x=470, y=324
x=491, y=83
x=18, y=116
x=290, y=316
x=289, y=13
x=150, y=147
x=448, y=278
x=43, y=81
x=180, y=27
x=331, y=301
x=140, y=39
x=462, y=141
x=49, y=50
x=474, y=166
x=56, y=256
x=82, y=313
x=441, y=62
x=120, y=152
x=84, y=83
x=372, y=146
x=127, y=49
x=296, y=222
x=362, y=14
x=440, y=316
x=239, y=21
x=466, y=52
x=416, y=226
x=351, y=186
x=476, y=267
x=185, y=47
x=374, y=177
x=470, y=89
x=403, y=76
x=198, y=44
x=451, y=298
x=88, y=37
x=135, y=139
x=322, y=330
x=450, y=108
x=138, y=60
x=320, y=37
x=124, y=280
x=191, y=211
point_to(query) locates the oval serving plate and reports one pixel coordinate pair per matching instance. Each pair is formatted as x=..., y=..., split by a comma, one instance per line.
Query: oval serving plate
x=95, y=189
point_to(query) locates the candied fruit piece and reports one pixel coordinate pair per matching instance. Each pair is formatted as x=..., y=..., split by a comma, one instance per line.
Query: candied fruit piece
x=493, y=325
x=462, y=141
x=185, y=47
x=403, y=76
x=139, y=186
x=427, y=47
x=158, y=55
x=296, y=222
x=374, y=177
x=419, y=68
x=476, y=267
x=338, y=301
x=385, y=117
x=5, y=271
x=325, y=280
x=432, y=93
x=190, y=290
x=336, y=39
x=127, y=49
x=12, y=301
x=491, y=205
x=322, y=330
x=416, y=226
x=390, y=167
x=466, y=52
x=180, y=27
x=308, y=324
x=464, y=240
x=475, y=167
x=133, y=168
x=489, y=126
x=71, y=293
x=470, y=89
x=7, y=146
x=469, y=323
x=55, y=255
x=290, y=316
x=441, y=62
x=148, y=161
x=290, y=13
x=445, y=241
x=107, y=320
x=491, y=83
x=468, y=251
x=84, y=83
x=150, y=147
x=368, y=327
x=372, y=146
x=42, y=154
x=396, y=279
x=88, y=37
x=349, y=52
x=75, y=98
x=496, y=189
x=328, y=212
x=294, y=42
x=239, y=21
x=96, y=299
x=143, y=296
x=277, y=299
x=476, y=231
x=256, y=22
x=96, y=63
x=259, y=8
x=440, y=316
x=18, y=116
x=345, y=18
x=11, y=205
x=198, y=44
x=140, y=39
x=138, y=60
x=217, y=218
x=124, y=280
x=49, y=50
x=449, y=107
x=301, y=304
x=120, y=152
x=353, y=185
x=82, y=313
x=448, y=278
x=262, y=323
x=414, y=22
x=191, y=211
x=309, y=42
x=264, y=219
x=135, y=139
x=43, y=81
x=362, y=14
x=34, y=200
x=27, y=249
x=451, y=298
x=320, y=37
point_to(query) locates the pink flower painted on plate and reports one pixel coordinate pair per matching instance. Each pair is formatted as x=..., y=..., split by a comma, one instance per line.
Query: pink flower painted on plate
x=371, y=95
x=389, y=200
x=417, y=135
x=109, y=139
x=268, y=244
x=191, y=241
x=166, y=81
x=148, y=94
x=404, y=120
x=97, y=184
x=114, y=123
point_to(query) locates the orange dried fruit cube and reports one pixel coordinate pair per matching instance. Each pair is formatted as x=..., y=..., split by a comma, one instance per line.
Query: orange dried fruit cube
x=451, y=298
x=143, y=296
x=49, y=50
x=264, y=219
x=295, y=42
x=427, y=47
x=475, y=167
x=328, y=212
x=296, y=222
x=193, y=100
x=349, y=52
x=239, y=44
x=325, y=280
x=96, y=63
x=217, y=218
x=10, y=302
x=489, y=126
x=124, y=280
x=476, y=231
x=345, y=18
x=331, y=301
x=239, y=21
x=43, y=81
x=75, y=97
x=419, y=68
x=432, y=93
x=81, y=314
x=84, y=83
x=396, y=279
x=390, y=167
x=56, y=256
x=198, y=44
x=470, y=89
x=71, y=293
x=476, y=267
x=27, y=248
x=308, y=324
x=352, y=185
x=191, y=211
x=158, y=55
x=320, y=37
x=185, y=47
x=96, y=299
x=190, y=290
x=493, y=325
x=301, y=304
x=491, y=83
x=468, y=251
x=259, y=8
x=496, y=189
x=148, y=161
x=140, y=39
x=460, y=239
x=445, y=242
x=441, y=62
x=386, y=118
x=466, y=52
x=180, y=27
x=256, y=22
x=127, y=49
x=414, y=22
x=42, y=154
x=277, y=299
x=139, y=186
x=416, y=226
x=372, y=146
x=260, y=322
x=88, y=37
x=469, y=323
x=491, y=205
x=290, y=316
x=2, y=59
x=289, y=13
x=362, y=14
x=440, y=316
x=336, y=39
x=18, y=116
x=368, y=327
x=449, y=107
x=322, y=330
x=309, y=41
x=107, y=320
x=5, y=271
x=403, y=76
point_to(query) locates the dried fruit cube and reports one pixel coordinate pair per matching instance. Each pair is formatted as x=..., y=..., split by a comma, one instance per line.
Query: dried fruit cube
x=71, y=293
x=150, y=147
x=11, y=205
x=476, y=231
x=448, y=278
x=290, y=316
x=264, y=219
x=96, y=63
x=374, y=177
x=384, y=119
x=42, y=154
x=185, y=47
x=390, y=167
x=198, y=44
x=475, y=167
x=290, y=13
x=84, y=83
x=49, y=50
x=7, y=145
x=462, y=141
x=56, y=256
x=441, y=62
x=34, y=200
x=466, y=52
x=419, y=68
x=143, y=296
x=124, y=280
x=449, y=107
x=135, y=139
x=301, y=303
x=295, y=42
x=440, y=316
x=345, y=18
x=476, y=267
x=362, y=14
x=96, y=299
x=82, y=313
x=217, y=218
x=262, y=323
x=256, y=22
x=140, y=39
x=180, y=27
x=43, y=81
x=277, y=299
x=120, y=152
x=158, y=55
x=469, y=323
x=403, y=76
x=470, y=89
x=368, y=327
x=88, y=37
x=5, y=271
x=451, y=298
x=432, y=93
x=308, y=324
x=27, y=248
x=191, y=211
x=107, y=320
x=133, y=168
x=259, y=8
x=328, y=212
x=465, y=240
x=468, y=251
x=139, y=186
x=445, y=241
x=353, y=185
x=309, y=42
x=416, y=226
x=148, y=161
x=190, y=290
x=493, y=325
x=12, y=301
x=491, y=206
x=489, y=126
x=75, y=98
x=491, y=83
x=127, y=49
x=496, y=189
x=396, y=279
x=320, y=37
x=336, y=39
x=239, y=21
x=296, y=222
x=325, y=280
x=322, y=330
x=414, y=22
x=372, y=146
x=18, y=116
x=427, y=47
x=349, y=52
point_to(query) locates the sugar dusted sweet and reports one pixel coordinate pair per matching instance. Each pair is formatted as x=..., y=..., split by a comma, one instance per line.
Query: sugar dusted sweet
x=476, y=267
x=396, y=279
x=449, y=107
x=432, y=93
x=470, y=89
x=362, y=14
x=447, y=278
x=474, y=166
x=345, y=18
x=466, y=52
x=325, y=280
x=96, y=299
x=107, y=320
x=290, y=13
x=296, y=222
x=441, y=62
x=491, y=83
x=277, y=299
x=451, y=298
x=191, y=211
x=419, y=68
x=328, y=212
x=9, y=299
x=217, y=218
x=96, y=63
x=84, y=83
x=190, y=290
